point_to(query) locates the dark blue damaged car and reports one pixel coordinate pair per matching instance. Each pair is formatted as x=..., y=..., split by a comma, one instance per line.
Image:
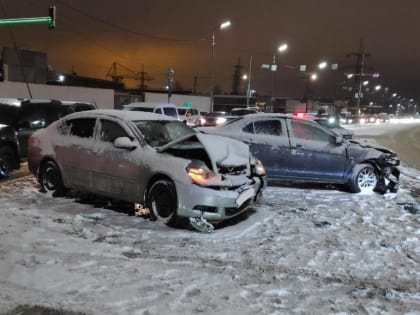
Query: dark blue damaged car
x=300, y=150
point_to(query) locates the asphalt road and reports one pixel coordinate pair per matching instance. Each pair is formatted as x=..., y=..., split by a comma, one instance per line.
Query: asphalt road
x=405, y=141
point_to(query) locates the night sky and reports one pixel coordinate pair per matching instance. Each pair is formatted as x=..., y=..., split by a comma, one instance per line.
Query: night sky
x=91, y=34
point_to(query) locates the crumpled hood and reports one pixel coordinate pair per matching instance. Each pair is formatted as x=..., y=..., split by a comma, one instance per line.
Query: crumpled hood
x=222, y=151
x=365, y=144
x=225, y=151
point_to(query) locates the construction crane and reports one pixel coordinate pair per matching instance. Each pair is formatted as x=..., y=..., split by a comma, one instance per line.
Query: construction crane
x=115, y=73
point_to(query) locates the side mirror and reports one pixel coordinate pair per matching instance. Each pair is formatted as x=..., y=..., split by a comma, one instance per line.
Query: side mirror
x=338, y=140
x=124, y=143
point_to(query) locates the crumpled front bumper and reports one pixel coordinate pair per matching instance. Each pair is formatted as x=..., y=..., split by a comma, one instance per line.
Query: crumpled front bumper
x=216, y=205
x=389, y=174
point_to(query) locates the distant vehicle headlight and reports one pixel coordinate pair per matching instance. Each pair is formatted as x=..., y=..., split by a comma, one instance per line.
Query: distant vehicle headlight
x=203, y=177
x=220, y=120
x=362, y=120
x=350, y=121
x=202, y=121
x=331, y=120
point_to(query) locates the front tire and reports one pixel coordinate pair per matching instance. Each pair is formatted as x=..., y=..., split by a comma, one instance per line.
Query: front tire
x=50, y=179
x=162, y=202
x=364, y=178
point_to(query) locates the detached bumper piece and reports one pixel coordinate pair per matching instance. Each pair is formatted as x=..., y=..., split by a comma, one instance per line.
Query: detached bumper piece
x=389, y=180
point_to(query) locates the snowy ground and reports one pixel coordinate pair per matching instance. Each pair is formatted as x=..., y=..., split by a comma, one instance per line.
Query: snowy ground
x=311, y=250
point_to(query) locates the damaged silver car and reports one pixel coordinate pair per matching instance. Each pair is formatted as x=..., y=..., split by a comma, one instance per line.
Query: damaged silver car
x=149, y=159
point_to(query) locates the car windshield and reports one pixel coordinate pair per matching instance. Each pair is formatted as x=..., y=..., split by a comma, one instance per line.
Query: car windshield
x=170, y=111
x=8, y=114
x=328, y=123
x=181, y=111
x=160, y=132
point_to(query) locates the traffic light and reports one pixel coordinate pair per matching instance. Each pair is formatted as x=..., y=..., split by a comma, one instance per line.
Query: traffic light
x=51, y=14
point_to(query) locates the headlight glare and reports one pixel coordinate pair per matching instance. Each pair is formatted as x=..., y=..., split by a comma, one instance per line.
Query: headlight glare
x=203, y=177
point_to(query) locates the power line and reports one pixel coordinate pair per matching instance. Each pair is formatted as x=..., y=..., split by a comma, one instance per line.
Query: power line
x=127, y=30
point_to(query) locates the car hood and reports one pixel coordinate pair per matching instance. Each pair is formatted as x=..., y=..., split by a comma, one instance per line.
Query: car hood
x=369, y=145
x=225, y=152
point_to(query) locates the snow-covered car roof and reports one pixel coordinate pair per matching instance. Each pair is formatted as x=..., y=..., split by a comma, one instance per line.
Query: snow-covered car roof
x=122, y=114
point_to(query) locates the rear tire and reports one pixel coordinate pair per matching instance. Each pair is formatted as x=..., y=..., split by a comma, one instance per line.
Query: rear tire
x=51, y=180
x=162, y=202
x=8, y=161
x=364, y=178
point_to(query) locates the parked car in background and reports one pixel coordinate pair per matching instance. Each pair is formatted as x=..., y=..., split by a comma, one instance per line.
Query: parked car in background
x=190, y=116
x=215, y=119
x=150, y=159
x=167, y=109
x=9, y=151
x=20, y=118
x=301, y=150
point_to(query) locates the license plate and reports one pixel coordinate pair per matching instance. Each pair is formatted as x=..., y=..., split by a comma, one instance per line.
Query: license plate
x=244, y=196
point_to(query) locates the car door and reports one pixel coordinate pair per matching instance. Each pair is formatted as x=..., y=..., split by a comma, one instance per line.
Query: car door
x=268, y=141
x=75, y=153
x=121, y=168
x=314, y=154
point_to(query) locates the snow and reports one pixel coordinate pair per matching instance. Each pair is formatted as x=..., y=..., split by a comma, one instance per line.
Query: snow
x=301, y=250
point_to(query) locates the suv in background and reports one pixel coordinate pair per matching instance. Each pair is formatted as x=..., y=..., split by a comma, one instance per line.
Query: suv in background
x=190, y=116
x=19, y=118
x=167, y=109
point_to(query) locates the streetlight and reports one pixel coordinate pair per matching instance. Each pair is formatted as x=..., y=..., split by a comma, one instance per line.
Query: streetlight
x=281, y=49
x=219, y=27
x=322, y=65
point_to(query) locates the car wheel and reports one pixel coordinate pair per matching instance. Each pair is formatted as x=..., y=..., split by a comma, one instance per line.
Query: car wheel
x=50, y=179
x=162, y=202
x=363, y=179
x=8, y=159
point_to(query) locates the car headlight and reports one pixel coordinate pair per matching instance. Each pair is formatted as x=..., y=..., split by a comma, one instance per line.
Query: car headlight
x=220, y=120
x=259, y=168
x=203, y=176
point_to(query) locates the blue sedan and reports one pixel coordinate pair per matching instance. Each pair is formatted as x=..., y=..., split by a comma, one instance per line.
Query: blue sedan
x=301, y=150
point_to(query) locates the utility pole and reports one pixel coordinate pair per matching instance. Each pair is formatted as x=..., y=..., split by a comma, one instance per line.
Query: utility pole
x=358, y=75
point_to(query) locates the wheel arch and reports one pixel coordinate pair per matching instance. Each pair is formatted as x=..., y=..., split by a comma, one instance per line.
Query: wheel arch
x=153, y=179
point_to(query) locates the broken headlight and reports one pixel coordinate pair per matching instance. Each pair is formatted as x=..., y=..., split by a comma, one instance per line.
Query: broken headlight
x=203, y=176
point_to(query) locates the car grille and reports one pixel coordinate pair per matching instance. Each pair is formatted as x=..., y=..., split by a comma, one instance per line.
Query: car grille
x=232, y=170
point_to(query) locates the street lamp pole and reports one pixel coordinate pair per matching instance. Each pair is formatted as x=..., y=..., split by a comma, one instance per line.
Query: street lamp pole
x=213, y=42
x=248, y=91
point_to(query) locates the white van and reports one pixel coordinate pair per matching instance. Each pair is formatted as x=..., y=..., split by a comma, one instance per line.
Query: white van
x=167, y=109
x=190, y=116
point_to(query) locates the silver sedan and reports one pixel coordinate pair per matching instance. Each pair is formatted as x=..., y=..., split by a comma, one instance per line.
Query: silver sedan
x=149, y=159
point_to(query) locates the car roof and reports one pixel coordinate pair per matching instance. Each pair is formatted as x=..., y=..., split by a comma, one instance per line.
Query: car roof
x=149, y=104
x=18, y=102
x=121, y=114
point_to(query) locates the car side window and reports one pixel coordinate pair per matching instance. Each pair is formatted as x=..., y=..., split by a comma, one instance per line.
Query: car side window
x=81, y=127
x=266, y=127
x=304, y=130
x=110, y=131
x=158, y=111
x=249, y=128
